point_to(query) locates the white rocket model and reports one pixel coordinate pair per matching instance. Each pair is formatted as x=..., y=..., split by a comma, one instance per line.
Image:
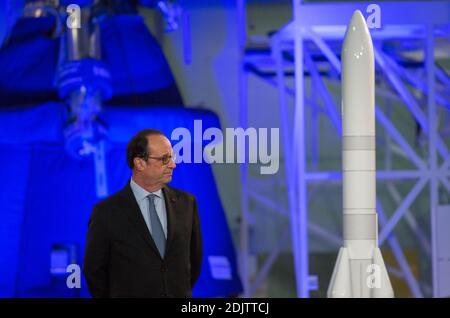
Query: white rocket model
x=359, y=269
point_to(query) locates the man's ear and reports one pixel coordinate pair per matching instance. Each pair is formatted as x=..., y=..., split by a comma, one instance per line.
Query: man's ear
x=138, y=164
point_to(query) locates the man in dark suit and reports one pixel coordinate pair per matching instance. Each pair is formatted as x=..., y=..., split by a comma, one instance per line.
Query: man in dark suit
x=145, y=240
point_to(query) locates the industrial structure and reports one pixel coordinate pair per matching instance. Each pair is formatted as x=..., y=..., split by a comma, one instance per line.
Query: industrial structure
x=308, y=47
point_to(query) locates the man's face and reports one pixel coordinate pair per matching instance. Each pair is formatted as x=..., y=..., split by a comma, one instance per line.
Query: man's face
x=153, y=170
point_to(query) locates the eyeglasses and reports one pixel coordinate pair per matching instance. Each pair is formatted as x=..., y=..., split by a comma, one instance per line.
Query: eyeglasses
x=164, y=159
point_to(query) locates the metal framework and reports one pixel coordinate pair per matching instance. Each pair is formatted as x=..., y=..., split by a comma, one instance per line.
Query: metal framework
x=320, y=23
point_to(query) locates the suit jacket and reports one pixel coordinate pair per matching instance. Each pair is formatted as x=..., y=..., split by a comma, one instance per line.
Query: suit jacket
x=121, y=258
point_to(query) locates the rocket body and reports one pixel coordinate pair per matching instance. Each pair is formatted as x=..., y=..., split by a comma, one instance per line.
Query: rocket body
x=359, y=270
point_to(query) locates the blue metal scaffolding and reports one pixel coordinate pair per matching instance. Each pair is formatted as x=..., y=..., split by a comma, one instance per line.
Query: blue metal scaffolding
x=314, y=31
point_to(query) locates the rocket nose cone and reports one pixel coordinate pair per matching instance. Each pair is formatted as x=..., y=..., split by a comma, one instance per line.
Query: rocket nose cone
x=358, y=79
x=357, y=22
x=357, y=41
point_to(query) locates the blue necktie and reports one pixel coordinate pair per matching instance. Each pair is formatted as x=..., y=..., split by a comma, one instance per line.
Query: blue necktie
x=155, y=223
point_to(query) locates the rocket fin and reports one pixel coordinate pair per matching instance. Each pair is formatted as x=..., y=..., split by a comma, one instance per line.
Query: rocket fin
x=384, y=288
x=340, y=285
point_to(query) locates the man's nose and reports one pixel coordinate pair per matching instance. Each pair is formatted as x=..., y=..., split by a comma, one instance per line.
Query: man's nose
x=172, y=164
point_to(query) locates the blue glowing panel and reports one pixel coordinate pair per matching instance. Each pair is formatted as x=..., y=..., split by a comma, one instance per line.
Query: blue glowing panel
x=134, y=58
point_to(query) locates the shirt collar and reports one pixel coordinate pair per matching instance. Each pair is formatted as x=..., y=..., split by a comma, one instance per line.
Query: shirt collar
x=140, y=193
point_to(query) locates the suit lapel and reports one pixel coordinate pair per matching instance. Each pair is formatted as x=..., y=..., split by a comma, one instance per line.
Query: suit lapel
x=134, y=215
x=170, y=200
